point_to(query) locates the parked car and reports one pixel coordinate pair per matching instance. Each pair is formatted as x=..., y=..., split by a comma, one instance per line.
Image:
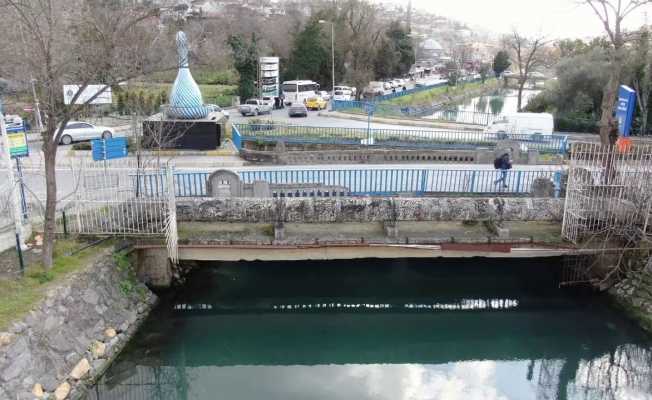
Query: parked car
x=268, y=100
x=325, y=95
x=255, y=107
x=387, y=86
x=297, y=110
x=76, y=131
x=396, y=83
x=342, y=95
x=316, y=103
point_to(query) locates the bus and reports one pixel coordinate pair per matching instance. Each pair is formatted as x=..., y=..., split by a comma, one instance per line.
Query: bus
x=299, y=91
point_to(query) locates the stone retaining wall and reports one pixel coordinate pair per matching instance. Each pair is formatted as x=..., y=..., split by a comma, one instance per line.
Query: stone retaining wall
x=635, y=294
x=314, y=210
x=69, y=338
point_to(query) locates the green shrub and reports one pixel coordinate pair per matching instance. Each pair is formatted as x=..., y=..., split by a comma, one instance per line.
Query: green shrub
x=82, y=146
x=572, y=123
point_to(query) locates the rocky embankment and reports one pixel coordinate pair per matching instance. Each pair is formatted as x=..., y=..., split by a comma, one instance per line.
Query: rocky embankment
x=635, y=294
x=69, y=339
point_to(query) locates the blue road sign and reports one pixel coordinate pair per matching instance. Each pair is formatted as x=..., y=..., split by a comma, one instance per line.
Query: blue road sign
x=109, y=149
x=625, y=109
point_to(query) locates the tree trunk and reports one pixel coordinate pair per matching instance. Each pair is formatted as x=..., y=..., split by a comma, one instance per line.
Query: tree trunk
x=609, y=97
x=50, y=153
x=521, y=85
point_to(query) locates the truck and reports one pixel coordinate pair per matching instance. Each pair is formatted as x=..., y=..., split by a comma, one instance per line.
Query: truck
x=523, y=124
x=254, y=107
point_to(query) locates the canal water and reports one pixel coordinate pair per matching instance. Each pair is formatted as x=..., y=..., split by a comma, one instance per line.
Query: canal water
x=382, y=329
x=498, y=102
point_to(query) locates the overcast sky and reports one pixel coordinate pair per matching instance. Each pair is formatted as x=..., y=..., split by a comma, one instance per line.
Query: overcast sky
x=554, y=18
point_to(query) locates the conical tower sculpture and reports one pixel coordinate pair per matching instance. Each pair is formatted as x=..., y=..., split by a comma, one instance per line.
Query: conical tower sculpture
x=185, y=98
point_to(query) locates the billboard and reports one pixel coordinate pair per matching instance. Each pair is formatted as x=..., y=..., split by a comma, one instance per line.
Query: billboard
x=69, y=91
x=625, y=109
x=268, y=72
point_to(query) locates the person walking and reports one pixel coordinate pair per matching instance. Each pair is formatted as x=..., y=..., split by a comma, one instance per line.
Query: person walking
x=504, y=164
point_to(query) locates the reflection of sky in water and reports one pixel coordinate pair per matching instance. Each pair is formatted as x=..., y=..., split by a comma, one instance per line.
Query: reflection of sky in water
x=509, y=102
x=482, y=380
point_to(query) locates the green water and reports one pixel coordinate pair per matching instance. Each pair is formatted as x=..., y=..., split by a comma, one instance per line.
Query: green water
x=382, y=329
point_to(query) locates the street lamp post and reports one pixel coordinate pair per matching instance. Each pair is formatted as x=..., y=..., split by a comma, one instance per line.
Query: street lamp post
x=321, y=21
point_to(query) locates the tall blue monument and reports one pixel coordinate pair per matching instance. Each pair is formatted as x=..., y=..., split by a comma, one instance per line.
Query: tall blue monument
x=187, y=122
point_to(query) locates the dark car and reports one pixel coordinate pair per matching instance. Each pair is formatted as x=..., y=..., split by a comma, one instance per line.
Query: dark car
x=297, y=110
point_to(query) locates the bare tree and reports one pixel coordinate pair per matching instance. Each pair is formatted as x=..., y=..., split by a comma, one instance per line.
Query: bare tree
x=79, y=42
x=611, y=14
x=527, y=56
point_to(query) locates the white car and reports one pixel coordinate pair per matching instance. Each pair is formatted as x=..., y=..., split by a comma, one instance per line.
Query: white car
x=387, y=86
x=76, y=131
x=325, y=95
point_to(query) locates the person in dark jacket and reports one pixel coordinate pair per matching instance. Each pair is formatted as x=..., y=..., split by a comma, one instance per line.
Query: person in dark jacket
x=504, y=164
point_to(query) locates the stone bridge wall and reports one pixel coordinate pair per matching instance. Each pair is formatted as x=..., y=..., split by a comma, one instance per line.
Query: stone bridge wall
x=318, y=210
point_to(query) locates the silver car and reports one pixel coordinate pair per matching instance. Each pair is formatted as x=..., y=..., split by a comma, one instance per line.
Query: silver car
x=76, y=131
x=297, y=110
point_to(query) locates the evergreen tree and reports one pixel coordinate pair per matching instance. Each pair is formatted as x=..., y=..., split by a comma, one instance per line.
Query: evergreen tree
x=310, y=57
x=501, y=62
x=245, y=61
x=402, y=47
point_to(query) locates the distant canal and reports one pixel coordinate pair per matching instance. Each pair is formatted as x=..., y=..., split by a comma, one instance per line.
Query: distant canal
x=499, y=102
x=382, y=329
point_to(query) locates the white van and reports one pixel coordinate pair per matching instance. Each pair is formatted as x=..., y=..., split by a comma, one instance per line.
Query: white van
x=524, y=124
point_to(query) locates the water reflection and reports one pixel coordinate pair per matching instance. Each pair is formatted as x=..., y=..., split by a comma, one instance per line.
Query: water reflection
x=500, y=102
x=383, y=330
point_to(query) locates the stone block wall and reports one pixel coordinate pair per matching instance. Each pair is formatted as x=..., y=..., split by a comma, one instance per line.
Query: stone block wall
x=320, y=210
x=71, y=335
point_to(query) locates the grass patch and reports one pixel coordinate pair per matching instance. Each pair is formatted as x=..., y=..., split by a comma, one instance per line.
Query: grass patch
x=18, y=297
x=441, y=93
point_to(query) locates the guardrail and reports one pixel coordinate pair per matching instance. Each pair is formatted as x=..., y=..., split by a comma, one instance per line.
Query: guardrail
x=358, y=182
x=418, y=139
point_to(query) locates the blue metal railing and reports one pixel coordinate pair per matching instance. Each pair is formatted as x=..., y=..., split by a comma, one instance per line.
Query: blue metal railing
x=417, y=139
x=236, y=137
x=356, y=182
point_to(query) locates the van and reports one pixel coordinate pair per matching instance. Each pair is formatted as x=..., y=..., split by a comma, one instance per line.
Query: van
x=375, y=88
x=524, y=124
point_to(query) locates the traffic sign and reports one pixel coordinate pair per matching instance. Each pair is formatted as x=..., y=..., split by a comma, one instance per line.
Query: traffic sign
x=625, y=109
x=109, y=149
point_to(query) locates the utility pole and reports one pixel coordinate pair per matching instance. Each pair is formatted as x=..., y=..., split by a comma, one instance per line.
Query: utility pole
x=15, y=195
x=321, y=21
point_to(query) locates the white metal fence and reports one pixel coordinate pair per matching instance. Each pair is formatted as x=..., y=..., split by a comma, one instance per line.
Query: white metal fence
x=103, y=198
x=609, y=192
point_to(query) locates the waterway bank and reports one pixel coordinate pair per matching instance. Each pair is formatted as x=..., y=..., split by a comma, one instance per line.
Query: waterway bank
x=634, y=295
x=378, y=329
x=69, y=338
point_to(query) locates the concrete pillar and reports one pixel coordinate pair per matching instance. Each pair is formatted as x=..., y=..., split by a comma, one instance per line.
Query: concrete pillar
x=532, y=156
x=279, y=231
x=154, y=268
